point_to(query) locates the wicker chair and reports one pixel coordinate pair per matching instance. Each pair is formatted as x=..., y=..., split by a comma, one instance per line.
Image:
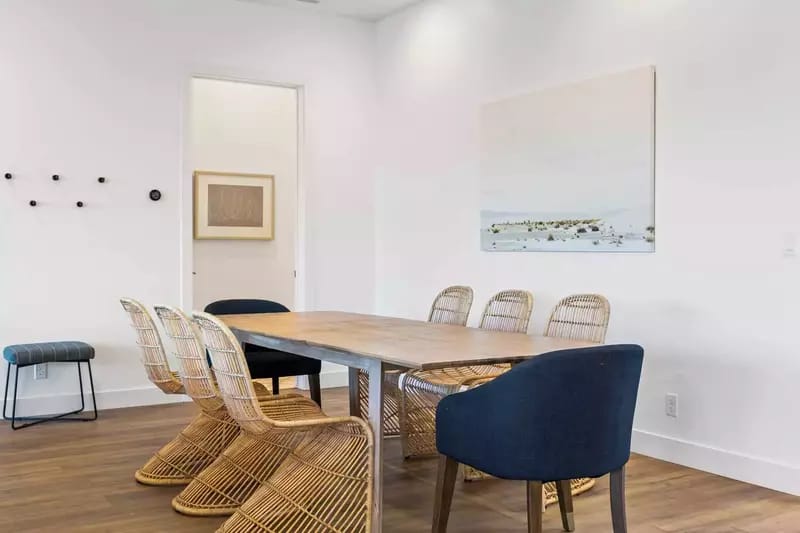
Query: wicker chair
x=199, y=443
x=325, y=482
x=580, y=317
x=451, y=306
x=421, y=390
x=227, y=482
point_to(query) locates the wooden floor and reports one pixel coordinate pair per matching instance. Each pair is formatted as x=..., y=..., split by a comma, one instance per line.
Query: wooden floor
x=79, y=477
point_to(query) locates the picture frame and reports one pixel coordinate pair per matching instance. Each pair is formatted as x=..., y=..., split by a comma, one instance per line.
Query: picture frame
x=234, y=206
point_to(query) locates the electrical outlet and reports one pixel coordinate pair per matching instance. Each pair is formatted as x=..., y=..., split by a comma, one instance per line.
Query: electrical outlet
x=671, y=405
x=40, y=371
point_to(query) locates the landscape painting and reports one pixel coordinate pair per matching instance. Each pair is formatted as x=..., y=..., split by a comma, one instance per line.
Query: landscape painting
x=571, y=168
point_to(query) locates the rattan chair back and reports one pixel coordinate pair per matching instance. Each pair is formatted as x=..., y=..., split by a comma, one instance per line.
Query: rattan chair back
x=153, y=356
x=233, y=376
x=508, y=311
x=580, y=317
x=198, y=381
x=451, y=306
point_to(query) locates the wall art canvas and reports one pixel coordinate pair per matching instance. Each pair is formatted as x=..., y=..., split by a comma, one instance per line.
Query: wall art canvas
x=233, y=206
x=571, y=168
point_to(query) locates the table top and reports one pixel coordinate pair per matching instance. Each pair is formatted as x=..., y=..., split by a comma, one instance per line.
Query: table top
x=397, y=341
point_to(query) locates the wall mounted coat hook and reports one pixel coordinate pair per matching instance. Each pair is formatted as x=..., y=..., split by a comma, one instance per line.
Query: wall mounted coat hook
x=32, y=203
x=56, y=177
x=8, y=175
x=79, y=203
x=101, y=179
x=155, y=195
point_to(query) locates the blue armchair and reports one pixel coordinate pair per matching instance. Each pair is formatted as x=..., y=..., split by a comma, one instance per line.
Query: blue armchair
x=559, y=416
x=265, y=363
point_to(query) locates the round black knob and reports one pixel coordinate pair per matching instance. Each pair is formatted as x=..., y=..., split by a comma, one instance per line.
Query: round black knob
x=56, y=177
x=32, y=203
x=79, y=204
x=8, y=175
x=155, y=195
x=101, y=179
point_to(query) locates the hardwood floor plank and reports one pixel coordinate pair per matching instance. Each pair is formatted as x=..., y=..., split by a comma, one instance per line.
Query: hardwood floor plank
x=79, y=477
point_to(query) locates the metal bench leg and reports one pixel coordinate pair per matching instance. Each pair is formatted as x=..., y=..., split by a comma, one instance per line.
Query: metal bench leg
x=5, y=395
x=39, y=419
x=91, y=385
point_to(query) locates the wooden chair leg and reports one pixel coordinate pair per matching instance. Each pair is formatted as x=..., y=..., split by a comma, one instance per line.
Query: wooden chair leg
x=313, y=385
x=535, y=506
x=564, y=490
x=618, y=518
x=276, y=385
x=445, y=483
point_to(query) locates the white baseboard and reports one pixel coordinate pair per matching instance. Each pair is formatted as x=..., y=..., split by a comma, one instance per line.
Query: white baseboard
x=735, y=465
x=110, y=399
x=330, y=379
x=113, y=399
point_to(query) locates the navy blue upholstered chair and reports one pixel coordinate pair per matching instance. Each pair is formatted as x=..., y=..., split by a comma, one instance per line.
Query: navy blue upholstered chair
x=263, y=362
x=559, y=416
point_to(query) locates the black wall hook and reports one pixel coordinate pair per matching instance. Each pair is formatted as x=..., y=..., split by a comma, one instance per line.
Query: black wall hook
x=155, y=195
x=8, y=175
x=56, y=177
x=79, y=204
x=32, y=203
x=101, y=179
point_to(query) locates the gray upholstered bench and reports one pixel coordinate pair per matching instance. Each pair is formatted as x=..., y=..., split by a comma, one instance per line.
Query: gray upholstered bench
x=22, y=355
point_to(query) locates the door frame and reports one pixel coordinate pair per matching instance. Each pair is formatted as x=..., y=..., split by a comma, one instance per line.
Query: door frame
x=186, y=185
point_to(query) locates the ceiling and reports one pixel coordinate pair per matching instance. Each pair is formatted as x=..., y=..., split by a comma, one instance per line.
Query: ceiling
x=361, y=9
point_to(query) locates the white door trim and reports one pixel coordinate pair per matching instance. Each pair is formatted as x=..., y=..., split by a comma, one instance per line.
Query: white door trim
x=185, y=184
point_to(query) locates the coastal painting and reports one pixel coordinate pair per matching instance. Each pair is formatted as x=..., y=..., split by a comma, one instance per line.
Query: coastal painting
x=571, y=169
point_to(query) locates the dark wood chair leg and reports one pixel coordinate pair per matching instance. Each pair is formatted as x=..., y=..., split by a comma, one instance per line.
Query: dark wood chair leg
x=535, y=503
x=564, y=491
x=276, y=385
x=313, y=385
x=445, y=483
x=618, y=518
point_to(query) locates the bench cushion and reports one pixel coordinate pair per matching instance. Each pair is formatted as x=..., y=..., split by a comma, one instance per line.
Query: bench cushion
x=48, y=352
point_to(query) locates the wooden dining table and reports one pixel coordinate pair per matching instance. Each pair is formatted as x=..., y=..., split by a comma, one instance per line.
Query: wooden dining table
x=376, y=344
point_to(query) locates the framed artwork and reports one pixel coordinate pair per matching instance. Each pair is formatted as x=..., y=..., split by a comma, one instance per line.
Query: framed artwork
x=571, y=168
x=229, y=205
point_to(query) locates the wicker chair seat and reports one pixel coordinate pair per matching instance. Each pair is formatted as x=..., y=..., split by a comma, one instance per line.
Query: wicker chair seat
x=323, y=485
x=247, y=462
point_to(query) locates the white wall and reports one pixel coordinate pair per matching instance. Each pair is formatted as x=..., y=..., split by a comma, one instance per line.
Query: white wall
x=249, y=128
x=98, y=87
x=716, y=306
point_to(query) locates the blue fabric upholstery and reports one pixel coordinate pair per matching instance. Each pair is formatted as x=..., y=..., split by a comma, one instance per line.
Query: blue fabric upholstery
x=562, y=415
x=263, y=362
x=48, y=352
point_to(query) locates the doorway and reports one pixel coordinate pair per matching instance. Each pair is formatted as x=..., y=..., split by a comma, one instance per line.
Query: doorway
x=250, y=128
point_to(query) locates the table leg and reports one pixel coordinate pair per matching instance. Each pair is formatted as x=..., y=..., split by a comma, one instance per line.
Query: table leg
x=376, y=371
x=352, y=382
